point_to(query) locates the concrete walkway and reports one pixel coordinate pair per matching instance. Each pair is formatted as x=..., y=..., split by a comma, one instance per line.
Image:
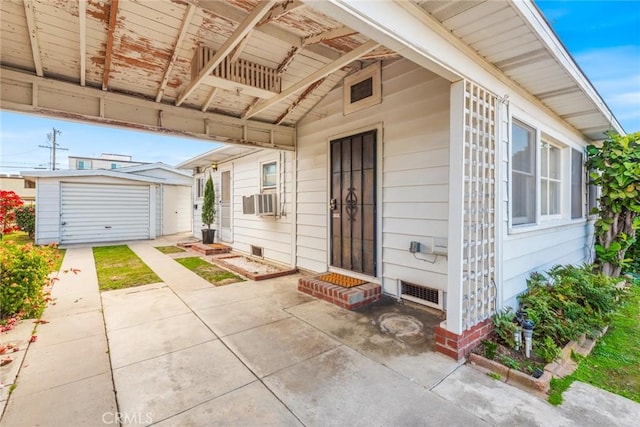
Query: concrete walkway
x=182, y=352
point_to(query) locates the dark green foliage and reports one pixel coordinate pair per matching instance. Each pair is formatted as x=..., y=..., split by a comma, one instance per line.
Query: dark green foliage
x=568, y=302
x=615, y=169
x=208, y=205
x=547, y=350
x=504, y=326
x=490, y=349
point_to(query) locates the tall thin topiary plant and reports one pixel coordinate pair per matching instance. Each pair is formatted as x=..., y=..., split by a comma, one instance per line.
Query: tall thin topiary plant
x=615, y=169
x=208, y=211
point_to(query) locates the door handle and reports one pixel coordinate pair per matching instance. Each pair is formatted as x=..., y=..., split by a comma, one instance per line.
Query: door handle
x=333, y=204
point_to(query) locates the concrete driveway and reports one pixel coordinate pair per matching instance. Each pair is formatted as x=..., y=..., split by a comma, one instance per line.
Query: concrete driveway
x=182, y=352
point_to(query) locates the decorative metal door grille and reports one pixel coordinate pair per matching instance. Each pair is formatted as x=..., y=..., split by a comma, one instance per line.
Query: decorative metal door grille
x=479, y=221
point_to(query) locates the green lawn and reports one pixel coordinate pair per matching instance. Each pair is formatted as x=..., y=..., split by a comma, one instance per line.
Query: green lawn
x=614, y=363
x=169, y=249
x=118, y=267
x=208, y=271
x=19, y=237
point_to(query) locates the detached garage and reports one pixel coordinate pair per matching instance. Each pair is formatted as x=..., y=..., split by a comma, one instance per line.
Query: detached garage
x=92, y=206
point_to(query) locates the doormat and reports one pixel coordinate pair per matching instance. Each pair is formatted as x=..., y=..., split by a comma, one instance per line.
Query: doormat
x=341, y=280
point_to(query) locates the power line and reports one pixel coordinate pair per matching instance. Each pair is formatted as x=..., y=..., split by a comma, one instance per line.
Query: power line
x=51, y=136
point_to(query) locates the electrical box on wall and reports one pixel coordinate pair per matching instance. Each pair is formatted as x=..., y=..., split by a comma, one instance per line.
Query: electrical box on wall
x=414, y=247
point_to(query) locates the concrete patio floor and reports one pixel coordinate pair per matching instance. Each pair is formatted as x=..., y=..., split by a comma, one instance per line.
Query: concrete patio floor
x=183, y=352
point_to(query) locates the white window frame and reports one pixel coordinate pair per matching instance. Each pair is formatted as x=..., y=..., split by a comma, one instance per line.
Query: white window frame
x=273, y=186
x=199, y=187
x=83, y=162
x=553, y=220
x=545, y=144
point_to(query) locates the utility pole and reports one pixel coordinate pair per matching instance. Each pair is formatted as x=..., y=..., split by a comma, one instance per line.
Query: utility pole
x=51, y=136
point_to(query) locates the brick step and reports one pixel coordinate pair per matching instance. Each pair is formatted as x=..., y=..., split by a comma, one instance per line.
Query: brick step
x=212, y=249
x=349, y=298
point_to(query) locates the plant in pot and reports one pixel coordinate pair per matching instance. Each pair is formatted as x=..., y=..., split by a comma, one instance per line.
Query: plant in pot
x=208, y=212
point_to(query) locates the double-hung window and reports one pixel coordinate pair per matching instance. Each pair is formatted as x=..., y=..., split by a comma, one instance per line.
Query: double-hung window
x=547, y=179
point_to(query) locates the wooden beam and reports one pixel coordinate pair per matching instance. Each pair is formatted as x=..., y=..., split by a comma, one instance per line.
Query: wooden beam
x=70, y=101
x=82, y=16
x=280, y=10
x=176, y=49
x=113, y=13
x=334, y=33
x=261, y=9
x=298, y=101
x=238, y=49
x=205, y=106
x=29, y=12
x=313, y=77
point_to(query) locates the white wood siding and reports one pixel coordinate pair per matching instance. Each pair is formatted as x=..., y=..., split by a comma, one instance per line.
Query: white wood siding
x=415, y=146
x=538, y=251
x=272, y=234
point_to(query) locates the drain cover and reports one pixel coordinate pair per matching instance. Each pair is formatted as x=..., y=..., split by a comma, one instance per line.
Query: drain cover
x=400, y=325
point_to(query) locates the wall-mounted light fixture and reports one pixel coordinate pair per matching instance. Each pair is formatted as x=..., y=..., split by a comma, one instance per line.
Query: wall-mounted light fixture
x=214, y=167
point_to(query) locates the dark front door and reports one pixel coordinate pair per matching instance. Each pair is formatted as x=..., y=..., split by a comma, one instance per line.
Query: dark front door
x=353, y=203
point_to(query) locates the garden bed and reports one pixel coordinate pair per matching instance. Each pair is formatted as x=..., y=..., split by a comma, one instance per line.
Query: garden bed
x=252, y=268
x=521, y=372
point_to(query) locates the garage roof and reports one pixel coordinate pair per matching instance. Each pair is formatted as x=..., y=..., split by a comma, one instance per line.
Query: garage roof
x=265, y=61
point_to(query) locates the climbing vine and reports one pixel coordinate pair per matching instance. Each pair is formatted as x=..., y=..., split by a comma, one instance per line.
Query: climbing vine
x=615, y=168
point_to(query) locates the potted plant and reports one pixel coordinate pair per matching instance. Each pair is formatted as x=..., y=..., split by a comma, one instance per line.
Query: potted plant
x=208, y=212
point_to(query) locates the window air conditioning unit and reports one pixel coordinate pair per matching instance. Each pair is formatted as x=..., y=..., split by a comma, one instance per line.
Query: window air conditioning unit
x=265, y=204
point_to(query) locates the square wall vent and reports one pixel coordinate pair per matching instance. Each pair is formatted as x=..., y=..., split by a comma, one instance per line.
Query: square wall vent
x=422, y=295
x=257, y=251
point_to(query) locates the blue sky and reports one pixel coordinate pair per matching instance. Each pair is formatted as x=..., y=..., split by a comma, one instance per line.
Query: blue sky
x=602, y=36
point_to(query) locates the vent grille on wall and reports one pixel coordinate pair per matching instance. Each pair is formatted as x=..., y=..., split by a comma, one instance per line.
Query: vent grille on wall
x=422, y=294
x=257, y=251
x=248, y=205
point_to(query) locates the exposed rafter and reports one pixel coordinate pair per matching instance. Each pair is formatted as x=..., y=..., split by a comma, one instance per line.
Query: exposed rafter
x=30, y=13
x=212, y=95
x=287, y=60
x=225, y=10
x=249, y=22
x=313, y=77
x=280, y=10
x=298, y=101
x=82, y=17
x=334, y=33
x=113, y=14
x=176, y=49
x=238, y=49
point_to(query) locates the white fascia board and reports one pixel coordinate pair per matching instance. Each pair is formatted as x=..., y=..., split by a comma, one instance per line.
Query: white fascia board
x=406, y=28
x=537, y=23
x=92, y=172
x=152, y=166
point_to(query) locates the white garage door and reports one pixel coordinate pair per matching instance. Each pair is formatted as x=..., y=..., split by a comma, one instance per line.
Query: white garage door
x=104, y=212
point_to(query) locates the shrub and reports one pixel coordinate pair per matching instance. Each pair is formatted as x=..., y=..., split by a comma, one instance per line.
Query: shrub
x=26, y=219
x=615, y=169
x=504, y=326
x=208, y=204
x=9, y=200
x=567, y=302
x=25, y=270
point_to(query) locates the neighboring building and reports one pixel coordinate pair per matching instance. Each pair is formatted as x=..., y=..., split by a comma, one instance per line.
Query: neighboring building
x=25, y=188
x=105, y=161
x=89, y=206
